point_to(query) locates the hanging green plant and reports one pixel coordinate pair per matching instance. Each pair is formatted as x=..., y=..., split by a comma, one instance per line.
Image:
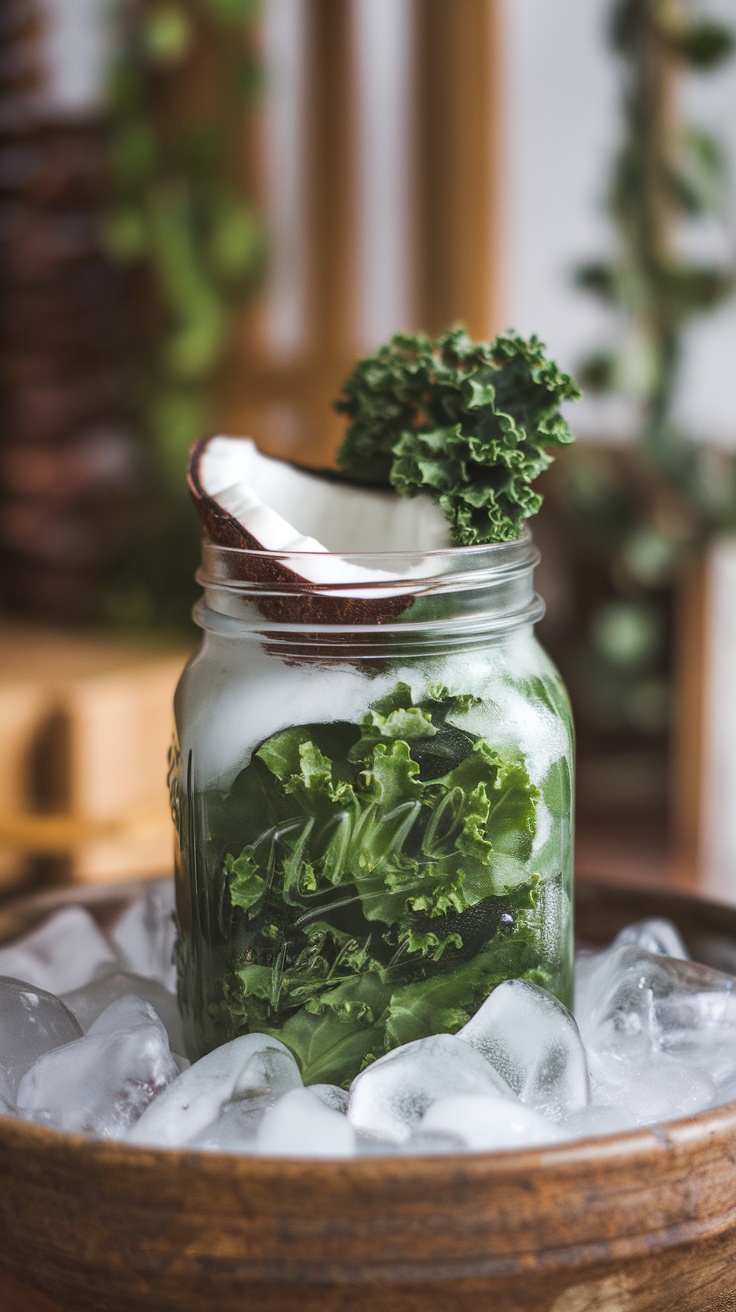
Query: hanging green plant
x=182, y=227
x=643, y=512
x=665, y=171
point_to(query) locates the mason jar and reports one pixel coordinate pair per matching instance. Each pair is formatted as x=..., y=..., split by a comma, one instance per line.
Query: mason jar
x=372, y=788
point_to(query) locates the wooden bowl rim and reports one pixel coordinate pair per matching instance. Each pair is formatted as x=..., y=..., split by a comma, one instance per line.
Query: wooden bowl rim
x=641, y=1145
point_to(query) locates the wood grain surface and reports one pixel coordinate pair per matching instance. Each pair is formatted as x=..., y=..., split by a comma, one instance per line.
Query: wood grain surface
x=17, y=1297
x=639, y=1222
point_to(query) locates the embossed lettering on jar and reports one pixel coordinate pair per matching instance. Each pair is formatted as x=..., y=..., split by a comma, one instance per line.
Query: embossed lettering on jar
x=373, y=818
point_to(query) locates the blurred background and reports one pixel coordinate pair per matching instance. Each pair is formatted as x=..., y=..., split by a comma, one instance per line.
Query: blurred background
x=209, y=208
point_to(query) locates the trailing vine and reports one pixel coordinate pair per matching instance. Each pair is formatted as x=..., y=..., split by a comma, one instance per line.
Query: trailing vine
x=648, y=509
x=182, y=227
x=665, y=171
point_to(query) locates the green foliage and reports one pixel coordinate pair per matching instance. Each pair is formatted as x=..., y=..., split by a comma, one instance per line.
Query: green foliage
x=701, y=45
x=468, y=424
x=368, y=871
x=697, y=172
x=166, y=33
x=191, y=246
x=232, y=12
x=664, y=172
x=644, y=513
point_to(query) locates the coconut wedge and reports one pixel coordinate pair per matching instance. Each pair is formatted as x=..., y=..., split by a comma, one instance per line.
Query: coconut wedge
x=310, y=524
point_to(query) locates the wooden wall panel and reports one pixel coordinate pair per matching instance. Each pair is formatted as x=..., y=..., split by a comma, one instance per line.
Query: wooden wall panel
x=332, y=165
x=17, y=1297
x=456, y=52
x=23, y=708
x=87, y=724
x=687, y=818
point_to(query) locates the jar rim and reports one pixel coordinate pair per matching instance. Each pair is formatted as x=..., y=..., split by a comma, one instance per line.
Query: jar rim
x=253, y=570
x=459, y=595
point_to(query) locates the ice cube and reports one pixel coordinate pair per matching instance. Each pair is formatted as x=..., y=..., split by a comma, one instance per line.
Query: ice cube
x=145, y=932
x=655, y=935
x=699, y=1030
x=425, y=1143
x=300, y=1125
x=92, y=999
x=235, y=1129
x=101, y=1083
x=597, y=1119
x=656, y=1088
x=725, y=1092
x=331, y=1095
x=389, y=1098
x=7, y=1105
x=532, y=1040
x=237, y=1125
x=64, y=953
x=32, y=1022
x=637, y=1005
x=595, y=975
x=487, y=1124
x=252, y=1066
x=421, y=1143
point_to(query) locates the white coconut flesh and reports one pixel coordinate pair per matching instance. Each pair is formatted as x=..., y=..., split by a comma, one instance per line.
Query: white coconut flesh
x=287, y=510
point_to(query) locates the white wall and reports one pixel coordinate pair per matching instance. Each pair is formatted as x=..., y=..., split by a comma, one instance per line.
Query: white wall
x=560, y=132
x=383, y=33
x=283, y=46
x=708, y=394
x=74, y=51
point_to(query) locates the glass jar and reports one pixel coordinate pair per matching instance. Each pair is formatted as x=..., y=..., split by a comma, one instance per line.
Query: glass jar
x=372, y=788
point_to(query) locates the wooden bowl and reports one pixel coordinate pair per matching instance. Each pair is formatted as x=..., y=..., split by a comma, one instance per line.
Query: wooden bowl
x=627, y=1223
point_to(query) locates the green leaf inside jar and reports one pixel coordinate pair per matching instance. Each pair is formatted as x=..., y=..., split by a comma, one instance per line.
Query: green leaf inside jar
x=378, y=882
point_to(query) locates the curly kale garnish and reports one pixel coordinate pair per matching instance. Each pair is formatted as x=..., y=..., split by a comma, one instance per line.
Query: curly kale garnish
x=469, y=424
x=380, y=884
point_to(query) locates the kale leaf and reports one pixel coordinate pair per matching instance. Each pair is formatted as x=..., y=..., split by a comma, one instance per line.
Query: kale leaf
x=382, y=886
x=469, y=424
